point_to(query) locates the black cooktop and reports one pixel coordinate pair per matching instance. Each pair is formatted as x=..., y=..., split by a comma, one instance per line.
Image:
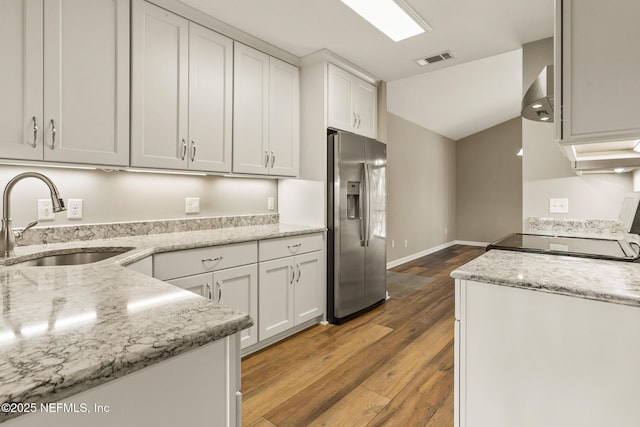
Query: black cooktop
x=617, y=250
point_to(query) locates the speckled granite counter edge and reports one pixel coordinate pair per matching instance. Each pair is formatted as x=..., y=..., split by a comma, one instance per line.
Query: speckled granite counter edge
x=600, y=280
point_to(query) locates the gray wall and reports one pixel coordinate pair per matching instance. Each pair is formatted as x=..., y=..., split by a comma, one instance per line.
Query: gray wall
x=546, y=172
x=489, y=183
x=420, y=188
x=129, y=196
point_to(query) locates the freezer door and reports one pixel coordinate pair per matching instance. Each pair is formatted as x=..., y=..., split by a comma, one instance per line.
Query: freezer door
x=349, y=256
x=375, y=221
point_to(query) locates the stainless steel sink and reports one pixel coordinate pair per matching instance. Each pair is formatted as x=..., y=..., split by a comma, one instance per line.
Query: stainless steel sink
x=78, y=257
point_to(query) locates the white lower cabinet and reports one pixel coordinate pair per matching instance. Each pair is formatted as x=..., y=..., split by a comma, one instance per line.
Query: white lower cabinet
x=290, y=292
x=527, y=358
x=236, y=287
x=197, y=388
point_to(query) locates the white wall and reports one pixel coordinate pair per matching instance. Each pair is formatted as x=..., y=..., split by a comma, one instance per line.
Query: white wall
x=129, y=196
x=546, y=172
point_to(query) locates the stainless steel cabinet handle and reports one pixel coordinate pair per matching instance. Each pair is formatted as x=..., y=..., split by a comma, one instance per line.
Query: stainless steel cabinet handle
x=219, y=290
x=212, y=259
x=209, y=292
x=299, y=273
x=193, y=150
x=184, y=149
x=273, y=159
x=35, y=132
x=266, y=158
x=53, y=134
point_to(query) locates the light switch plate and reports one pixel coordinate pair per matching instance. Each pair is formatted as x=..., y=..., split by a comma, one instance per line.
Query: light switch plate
x=74, y=209
x=270, y=203
x=45, y=210
x=560, y=206
x=192, y=205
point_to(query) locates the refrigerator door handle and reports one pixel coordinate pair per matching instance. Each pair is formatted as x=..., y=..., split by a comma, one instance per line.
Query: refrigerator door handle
x=363, y=190
x=367, y=212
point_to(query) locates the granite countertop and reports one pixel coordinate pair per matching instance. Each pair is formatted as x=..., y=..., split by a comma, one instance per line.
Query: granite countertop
x=66, y=329
x=611, y=281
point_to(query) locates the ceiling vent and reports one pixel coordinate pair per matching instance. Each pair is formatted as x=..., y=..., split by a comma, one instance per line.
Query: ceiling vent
x=432, y=59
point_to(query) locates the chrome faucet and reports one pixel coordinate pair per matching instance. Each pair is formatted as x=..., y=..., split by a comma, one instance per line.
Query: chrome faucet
x=8, y=239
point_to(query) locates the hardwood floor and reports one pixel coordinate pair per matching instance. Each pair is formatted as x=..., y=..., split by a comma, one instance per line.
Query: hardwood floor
x=392, y=366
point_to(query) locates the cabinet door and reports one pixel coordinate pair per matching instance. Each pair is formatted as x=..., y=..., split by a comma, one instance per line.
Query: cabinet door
x=340, y=112
x=21, y=76
x=365, y=100
x=250, y=111
x=599, y=77
x=238, y=288
x=201, y=284
x=210, y=99
x=275, y=297
x=308, y=285
x=284, y=118
x=159, y=100
x=86, y=81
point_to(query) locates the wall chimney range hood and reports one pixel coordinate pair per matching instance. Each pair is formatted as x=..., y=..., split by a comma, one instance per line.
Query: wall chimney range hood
x=537, y=103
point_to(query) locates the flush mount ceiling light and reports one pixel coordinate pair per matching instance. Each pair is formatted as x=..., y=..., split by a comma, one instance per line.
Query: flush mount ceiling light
x=396, y=19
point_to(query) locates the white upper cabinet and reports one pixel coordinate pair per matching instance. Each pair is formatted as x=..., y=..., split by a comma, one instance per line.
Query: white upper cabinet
x=352, y=103
x=266, y=111
x=21, y=75
x=65, y=81
x=210, y=99
x=181, y=117
x=250, y=110
x=284, y=118
x=597, y=66
x=159, y=100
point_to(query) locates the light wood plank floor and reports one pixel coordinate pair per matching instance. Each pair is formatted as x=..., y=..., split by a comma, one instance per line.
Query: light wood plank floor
x=392, y=366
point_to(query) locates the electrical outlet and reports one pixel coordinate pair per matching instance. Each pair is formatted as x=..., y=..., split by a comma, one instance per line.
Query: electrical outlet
x=271, y=203
x=560, y=206
x=192, y=205
x=74, y=208
x=45, y=210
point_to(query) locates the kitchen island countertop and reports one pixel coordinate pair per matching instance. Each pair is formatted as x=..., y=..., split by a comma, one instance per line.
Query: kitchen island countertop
x=66, y=329
x=610, y=281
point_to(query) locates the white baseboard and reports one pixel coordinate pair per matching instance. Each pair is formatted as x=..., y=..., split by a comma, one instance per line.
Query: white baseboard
x=403, y=260
x=397, y=262
x=470, y=243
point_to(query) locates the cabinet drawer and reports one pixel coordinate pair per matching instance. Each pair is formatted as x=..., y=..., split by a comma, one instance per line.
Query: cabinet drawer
x=195, y=261
x=288, y=246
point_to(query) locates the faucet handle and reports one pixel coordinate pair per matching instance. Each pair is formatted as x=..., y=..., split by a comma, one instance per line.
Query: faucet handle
x=20, y=234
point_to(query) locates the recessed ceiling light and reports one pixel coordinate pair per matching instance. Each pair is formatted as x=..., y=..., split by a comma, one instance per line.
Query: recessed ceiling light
x=536, y=106
x=394, y=18
x=618, y=170
x=544, y=119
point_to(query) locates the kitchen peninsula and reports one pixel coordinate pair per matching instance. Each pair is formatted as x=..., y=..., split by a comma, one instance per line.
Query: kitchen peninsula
x=546, y=340
x=73, y=329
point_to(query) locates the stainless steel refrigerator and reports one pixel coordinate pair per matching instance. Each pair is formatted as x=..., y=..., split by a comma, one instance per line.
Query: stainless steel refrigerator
x=356, y=218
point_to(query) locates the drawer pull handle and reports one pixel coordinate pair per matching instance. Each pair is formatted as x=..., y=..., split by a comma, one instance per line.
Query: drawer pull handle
x=296, y=246
x=212, y=259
